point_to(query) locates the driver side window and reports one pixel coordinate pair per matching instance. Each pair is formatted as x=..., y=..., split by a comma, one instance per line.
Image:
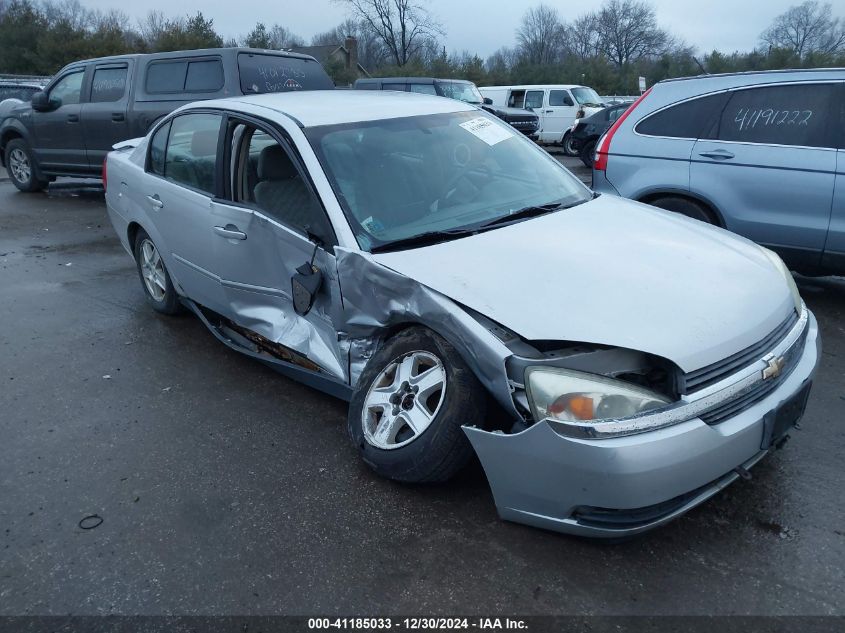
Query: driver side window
x=264, y=176
x=67, y=89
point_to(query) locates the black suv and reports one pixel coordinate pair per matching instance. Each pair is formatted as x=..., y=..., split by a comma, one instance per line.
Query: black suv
x=523, y=120
x=71, y=125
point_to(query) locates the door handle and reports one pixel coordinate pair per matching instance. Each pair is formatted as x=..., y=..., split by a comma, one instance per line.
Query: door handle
x=117, y=116
x=717, y=154
x=230, y=232
x=155, y=201
x=549, y=111
x=73, y=118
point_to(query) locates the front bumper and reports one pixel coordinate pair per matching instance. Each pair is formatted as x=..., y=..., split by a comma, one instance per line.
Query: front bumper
x=585, y=486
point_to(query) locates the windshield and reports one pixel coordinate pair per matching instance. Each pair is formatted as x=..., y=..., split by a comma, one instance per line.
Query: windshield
x=587, y=97
x=401, y=178
x=462, y=91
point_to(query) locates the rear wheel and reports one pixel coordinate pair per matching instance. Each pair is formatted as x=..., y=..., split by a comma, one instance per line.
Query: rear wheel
x=588, y=152
x=406, y=414
x=21, y=167
x=685, y=206
x=158, y=288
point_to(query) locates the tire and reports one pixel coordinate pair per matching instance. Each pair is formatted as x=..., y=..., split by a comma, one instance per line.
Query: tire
x=567, y=145
x=22, y=168
x=155, y=280
x=685, y=206
x=587, y=153
x=440, y=448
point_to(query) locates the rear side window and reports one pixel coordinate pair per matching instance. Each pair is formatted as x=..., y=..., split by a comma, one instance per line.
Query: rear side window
x=397, y=87
x=204, y=75
x=191, y=154
x=158, y=146
x=534, y=99
x=559, y=98
x=690, y=119
x=262, y=73
x=109, y=84
x=779, y=115
x=426, y=89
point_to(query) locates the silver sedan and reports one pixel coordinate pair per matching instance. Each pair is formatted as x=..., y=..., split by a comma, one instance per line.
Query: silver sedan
x=612, y=365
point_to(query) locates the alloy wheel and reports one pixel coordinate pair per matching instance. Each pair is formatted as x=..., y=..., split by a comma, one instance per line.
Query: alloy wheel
x=152, y=270
x=19, y=165
x=403, y=400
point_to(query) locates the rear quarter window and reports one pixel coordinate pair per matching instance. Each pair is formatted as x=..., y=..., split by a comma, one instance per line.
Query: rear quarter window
x=168, y=77
x=276, y=73
x=798, y=115
x=689, y=119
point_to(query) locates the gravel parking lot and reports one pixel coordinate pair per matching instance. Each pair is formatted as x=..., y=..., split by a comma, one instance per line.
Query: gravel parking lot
x=226, y=488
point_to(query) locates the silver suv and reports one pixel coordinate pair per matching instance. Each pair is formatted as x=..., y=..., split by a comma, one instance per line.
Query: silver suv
x=760, y=154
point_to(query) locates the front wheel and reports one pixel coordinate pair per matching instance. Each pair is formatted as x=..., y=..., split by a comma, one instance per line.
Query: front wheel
x=568, y=147
x=406, y=413
x=20, y=164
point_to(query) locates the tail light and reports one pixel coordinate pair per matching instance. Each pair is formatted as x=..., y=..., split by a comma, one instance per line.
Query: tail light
x=105, y=174
x=603, y=147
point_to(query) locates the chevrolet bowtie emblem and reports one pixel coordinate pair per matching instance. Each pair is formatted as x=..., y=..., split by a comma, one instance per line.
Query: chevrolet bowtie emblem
x=775, y=366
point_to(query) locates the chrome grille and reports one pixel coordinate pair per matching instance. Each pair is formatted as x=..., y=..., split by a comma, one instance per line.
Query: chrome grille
x=760, y=391
x=710, y=375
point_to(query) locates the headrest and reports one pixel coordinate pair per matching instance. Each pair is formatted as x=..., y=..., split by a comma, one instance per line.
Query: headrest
x=274, y=164
x=204, y=142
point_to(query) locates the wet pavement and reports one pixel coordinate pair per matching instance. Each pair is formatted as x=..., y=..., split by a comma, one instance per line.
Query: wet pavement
x=223, y=487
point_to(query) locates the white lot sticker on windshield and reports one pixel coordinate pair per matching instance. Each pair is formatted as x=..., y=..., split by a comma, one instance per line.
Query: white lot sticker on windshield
x=487, y=130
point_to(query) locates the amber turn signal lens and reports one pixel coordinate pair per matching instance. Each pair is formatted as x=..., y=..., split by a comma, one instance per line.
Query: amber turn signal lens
x=579, y=406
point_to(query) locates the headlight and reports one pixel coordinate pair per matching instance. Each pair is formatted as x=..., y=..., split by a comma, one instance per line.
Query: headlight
x=790, y=281
x=564, y=394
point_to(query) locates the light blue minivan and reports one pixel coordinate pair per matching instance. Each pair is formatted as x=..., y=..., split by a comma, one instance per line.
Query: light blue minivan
x=761, y=154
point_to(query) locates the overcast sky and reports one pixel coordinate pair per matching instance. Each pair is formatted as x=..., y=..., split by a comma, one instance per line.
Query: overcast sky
x=482, y=26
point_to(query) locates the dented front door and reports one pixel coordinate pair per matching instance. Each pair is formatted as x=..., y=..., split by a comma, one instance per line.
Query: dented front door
x=256, y=257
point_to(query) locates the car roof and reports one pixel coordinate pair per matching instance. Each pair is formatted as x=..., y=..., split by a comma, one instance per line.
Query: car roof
x=534, y=87
x=408, y=80
x=757, y=73
x=198, y=52
x=310, y=108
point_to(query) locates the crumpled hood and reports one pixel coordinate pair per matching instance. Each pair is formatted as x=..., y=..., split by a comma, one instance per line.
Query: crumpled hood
x=612, y=272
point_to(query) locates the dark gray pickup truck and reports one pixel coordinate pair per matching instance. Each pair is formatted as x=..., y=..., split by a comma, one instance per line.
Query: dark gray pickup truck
x=90, y=105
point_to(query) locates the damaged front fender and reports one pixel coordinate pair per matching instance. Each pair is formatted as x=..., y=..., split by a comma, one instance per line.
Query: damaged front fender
x=377, y=299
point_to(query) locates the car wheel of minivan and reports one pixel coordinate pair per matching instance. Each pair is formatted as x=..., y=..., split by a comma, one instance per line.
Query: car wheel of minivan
x=406, y=413
x=587, y=153
x=685, y=206
x=20, y=165
x=568, y=149
x=155, y=280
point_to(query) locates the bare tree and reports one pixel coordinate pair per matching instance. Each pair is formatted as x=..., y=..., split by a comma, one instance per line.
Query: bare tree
x=539, y=35
x=806, y=28
x=282, y=37
x=581, y=38
x=628, y=31
x=371, y=50
x=403, y=26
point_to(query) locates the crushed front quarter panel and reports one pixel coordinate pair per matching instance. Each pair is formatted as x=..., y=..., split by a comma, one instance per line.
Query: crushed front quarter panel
x=376, y=298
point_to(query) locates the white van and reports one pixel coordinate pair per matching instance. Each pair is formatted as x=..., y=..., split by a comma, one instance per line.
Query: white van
x=557, y=105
